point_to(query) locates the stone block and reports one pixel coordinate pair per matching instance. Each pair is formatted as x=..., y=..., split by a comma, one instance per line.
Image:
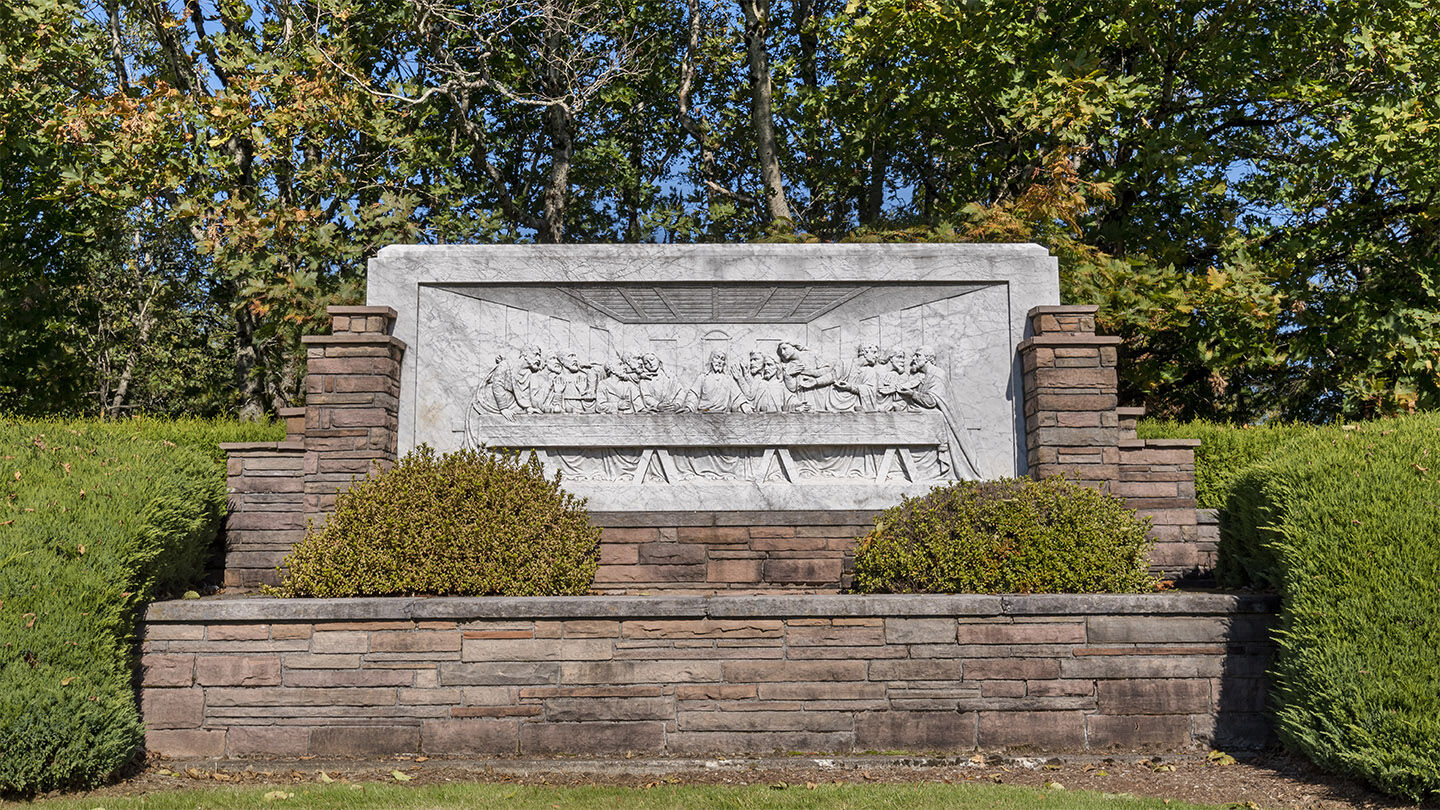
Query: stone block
x=1143, y=666
x=345, y=641
x=815, y=692
x=362, y=741
x=672, y=554
x=270, y=696
x=349, y=677
x=763, y=721
x=619, y=554
x=933, y=669
x=414, y=641
x=521, y=710
x=643, y=672
x=716, y=691
x=833, y=636
x=803, y=571
x=167, y=670
x=237, y=670
x=915, y=731
x=238, y=632
x=589, y=628
x=185, y=744
x=743, y=571
x=713, y=534
x=703, y=628
x=274, y=741
x=1157, y=629
x=538, y=649
x=592, y=738
x=499, y=673
x=491, y=736
x=1002, y=689
x=1133, y=731
x=1154, y=696
x=1045, y=731
x=586, y=709
x=919, y=631
x=1022, y=633
x=1011, y=668
x=762, y=671
x=172, y=708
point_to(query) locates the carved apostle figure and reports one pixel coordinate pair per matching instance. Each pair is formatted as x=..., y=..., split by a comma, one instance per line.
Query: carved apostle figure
x=497, y=393
x=806, y=375
x=752, y=376
x=715, y=391
x=855, y=389
x=771, y=395
x=619, y=391
x=927, y=386
x=576, y=385
x=894, y=380
x=659, y=390
x=532, y=381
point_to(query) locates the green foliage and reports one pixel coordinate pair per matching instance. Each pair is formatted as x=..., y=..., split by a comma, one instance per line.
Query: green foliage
x=1008, y=536
x=1343, y=521
x=468, y=523
x=1225, y=451
x=96, y=519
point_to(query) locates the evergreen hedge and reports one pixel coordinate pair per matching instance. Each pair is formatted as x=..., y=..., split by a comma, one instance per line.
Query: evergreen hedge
x=95, y=520
x=1008, y=536
x=1225, y=450
x=1345, y=522
x=468, y=523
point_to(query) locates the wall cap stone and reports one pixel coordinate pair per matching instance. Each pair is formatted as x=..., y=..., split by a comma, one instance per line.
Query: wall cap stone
x=262, y=447
x=1064, y=309
x=349, y=339
x=265, y=609
x=1158, y=444
x=388, y=312
x=1063, y=340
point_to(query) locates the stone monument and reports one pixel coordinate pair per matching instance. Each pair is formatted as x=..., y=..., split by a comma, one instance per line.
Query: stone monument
x=736, y=377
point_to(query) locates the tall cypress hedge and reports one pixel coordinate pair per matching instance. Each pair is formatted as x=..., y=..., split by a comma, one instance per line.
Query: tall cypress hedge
x=1345, y=522
x=95, y=520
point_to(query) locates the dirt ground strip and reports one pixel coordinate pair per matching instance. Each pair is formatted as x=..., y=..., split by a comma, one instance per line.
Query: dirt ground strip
x=1269, y=780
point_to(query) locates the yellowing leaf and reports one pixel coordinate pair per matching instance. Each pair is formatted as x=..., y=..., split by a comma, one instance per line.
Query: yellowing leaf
x=400, y=777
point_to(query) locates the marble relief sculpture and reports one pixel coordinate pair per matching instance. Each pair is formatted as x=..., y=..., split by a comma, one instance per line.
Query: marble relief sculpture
x=792, y=379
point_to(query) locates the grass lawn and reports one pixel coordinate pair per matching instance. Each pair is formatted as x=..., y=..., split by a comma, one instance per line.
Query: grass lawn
x=514, y=797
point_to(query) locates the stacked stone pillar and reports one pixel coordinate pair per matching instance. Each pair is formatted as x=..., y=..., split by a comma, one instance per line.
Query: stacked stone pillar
x=1071, y=427
x=352, y=399
x=347, y=427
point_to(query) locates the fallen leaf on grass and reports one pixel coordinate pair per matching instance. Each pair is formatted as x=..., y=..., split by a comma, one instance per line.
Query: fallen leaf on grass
x=278, y=795
x=325, y=777
x=400, y=777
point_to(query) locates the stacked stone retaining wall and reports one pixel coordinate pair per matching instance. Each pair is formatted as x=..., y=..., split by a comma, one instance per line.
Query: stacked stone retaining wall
x=699, y=675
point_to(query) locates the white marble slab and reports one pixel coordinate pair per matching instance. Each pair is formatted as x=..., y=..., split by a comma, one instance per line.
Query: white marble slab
x=462, y=306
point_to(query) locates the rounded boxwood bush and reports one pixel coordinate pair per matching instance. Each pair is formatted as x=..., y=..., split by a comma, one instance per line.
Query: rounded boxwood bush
x=1013, y=535
x=468, y=523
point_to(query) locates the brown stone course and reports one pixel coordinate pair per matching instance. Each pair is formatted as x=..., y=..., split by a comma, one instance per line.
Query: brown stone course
x=699, y=684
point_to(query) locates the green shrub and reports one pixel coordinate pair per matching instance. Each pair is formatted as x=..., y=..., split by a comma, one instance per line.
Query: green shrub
x=1224, y=452
x=1346, y=523
x=95, y=520
x=468, y=523
x=1008, y=536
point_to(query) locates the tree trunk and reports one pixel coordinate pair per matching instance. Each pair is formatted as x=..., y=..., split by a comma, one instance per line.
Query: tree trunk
x=562, y=150
x=762, y=118
x=247, y=367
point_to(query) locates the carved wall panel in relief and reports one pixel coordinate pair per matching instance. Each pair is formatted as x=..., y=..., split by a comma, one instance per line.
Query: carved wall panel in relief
x=647, y=424
x=735, y=376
